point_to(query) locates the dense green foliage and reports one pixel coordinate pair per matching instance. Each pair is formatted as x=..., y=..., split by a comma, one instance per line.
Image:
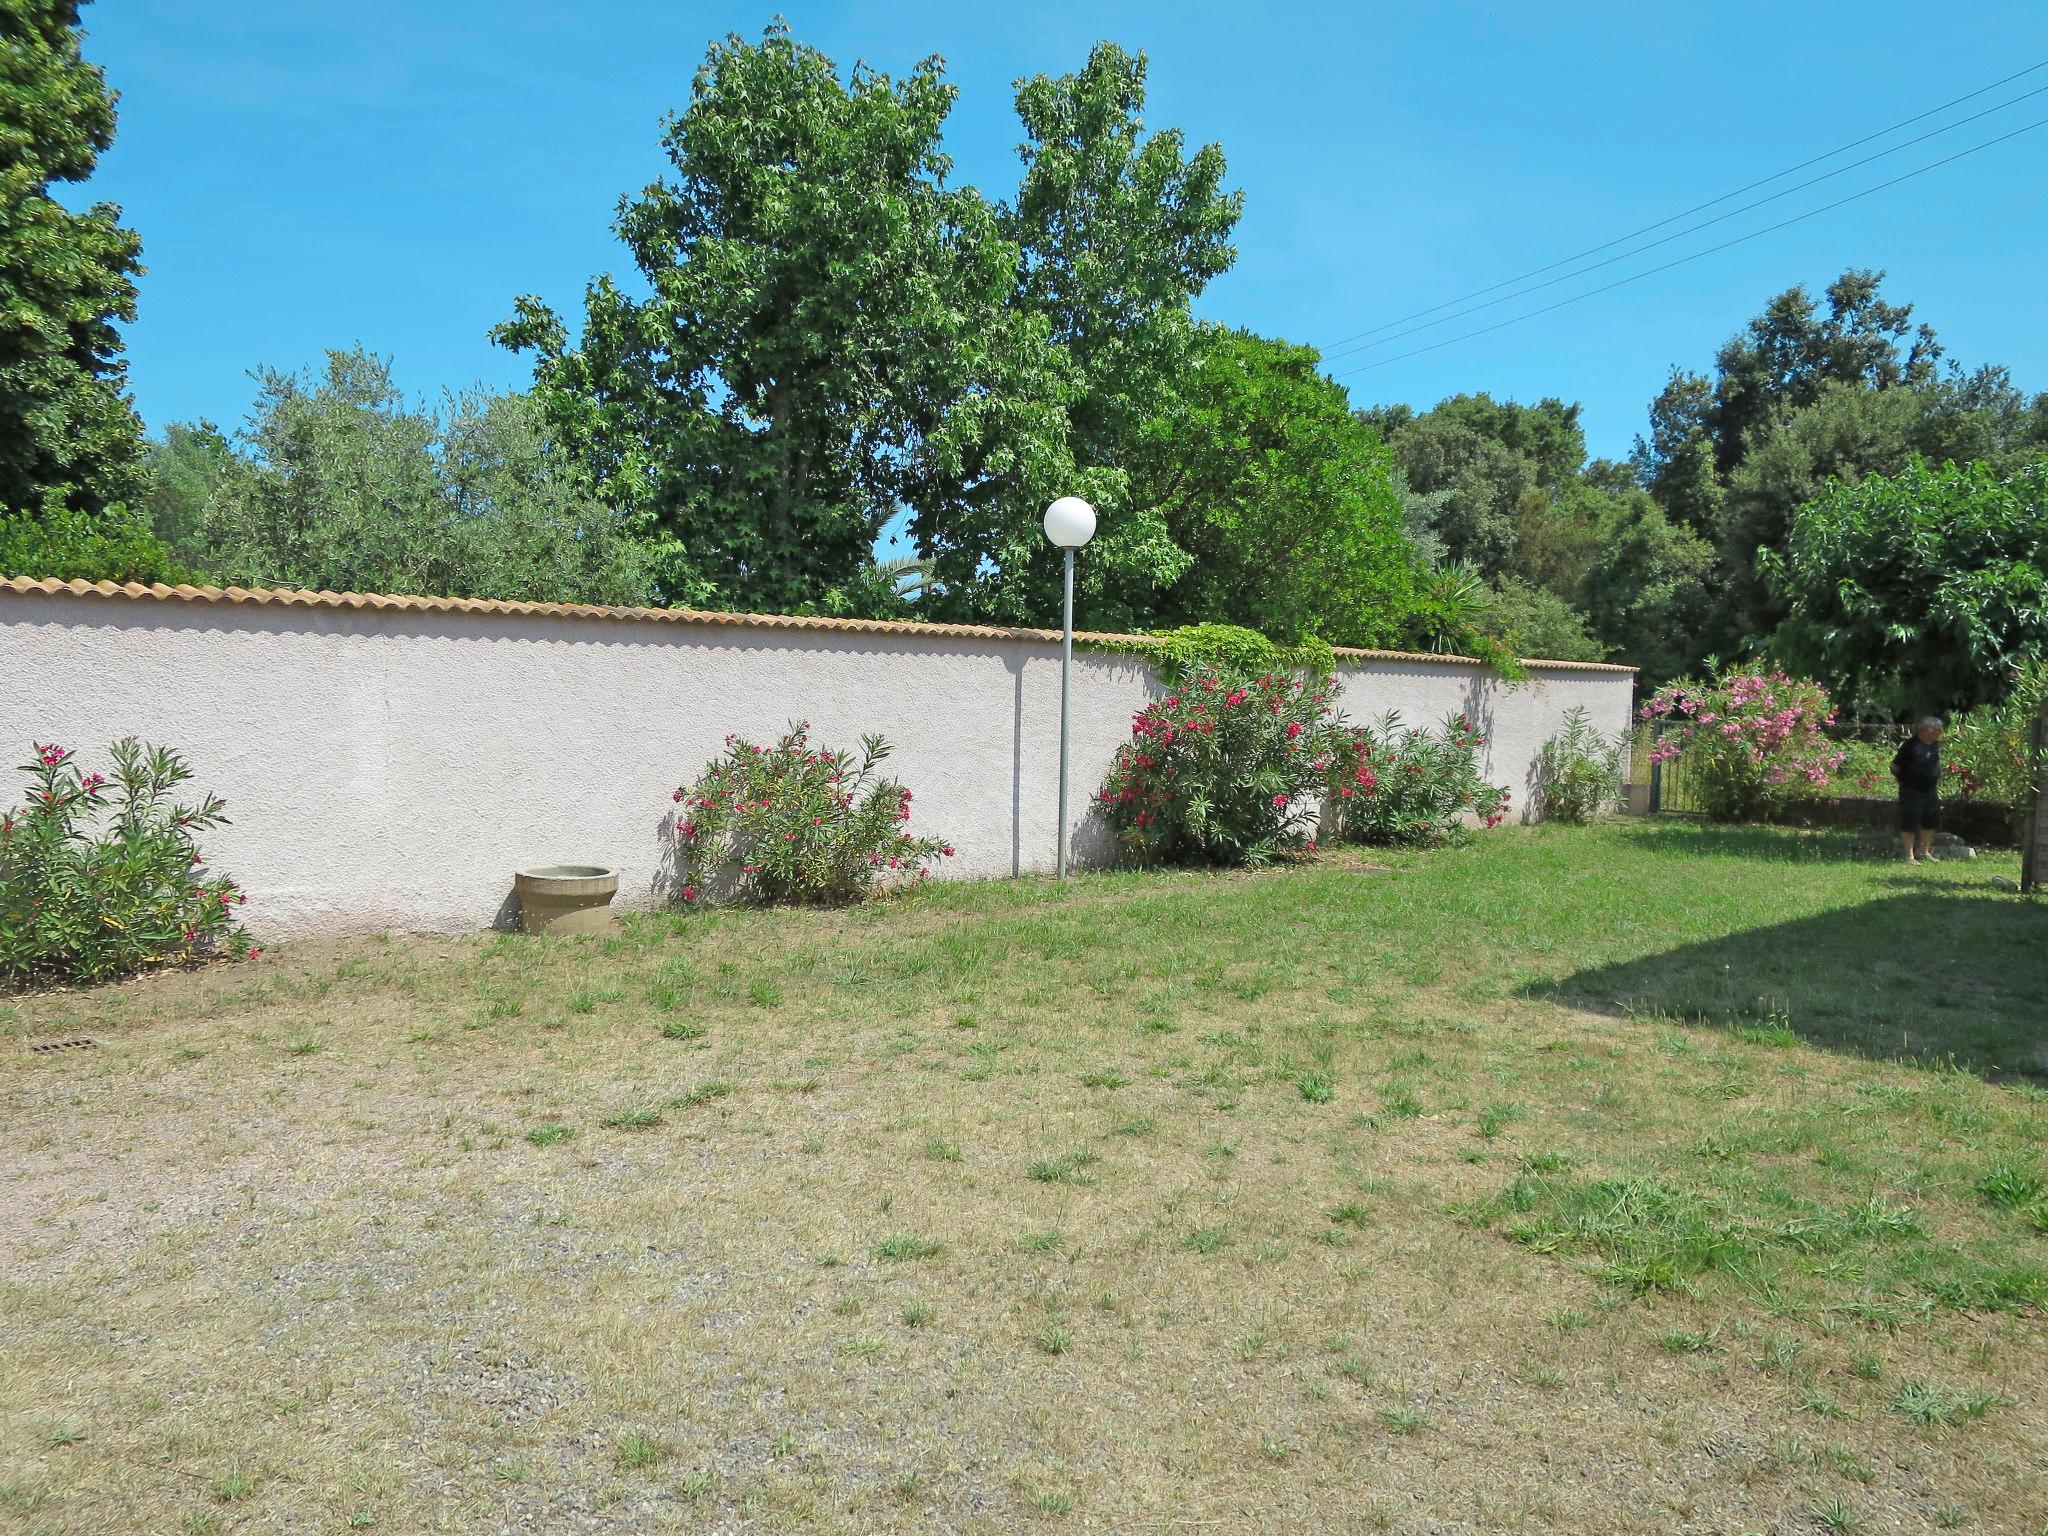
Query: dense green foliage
x=103, y=876
x=796, y=823
x=341, y=484
x=70, y=444
x=1755, y=737
x=1918, y=590
x=1578, y=771
x=1280, y=498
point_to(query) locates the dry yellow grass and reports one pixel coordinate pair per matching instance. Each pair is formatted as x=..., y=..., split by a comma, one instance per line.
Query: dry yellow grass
x=1155, y=1204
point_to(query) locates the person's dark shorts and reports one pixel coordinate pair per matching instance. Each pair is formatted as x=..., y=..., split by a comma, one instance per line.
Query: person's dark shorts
x=1919, y=810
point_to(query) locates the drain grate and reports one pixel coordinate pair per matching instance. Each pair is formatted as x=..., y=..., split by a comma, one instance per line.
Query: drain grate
x=64, y=1045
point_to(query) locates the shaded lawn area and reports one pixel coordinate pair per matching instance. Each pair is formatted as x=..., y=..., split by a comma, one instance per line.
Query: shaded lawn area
x=1642, y=1178
x=1914, y=963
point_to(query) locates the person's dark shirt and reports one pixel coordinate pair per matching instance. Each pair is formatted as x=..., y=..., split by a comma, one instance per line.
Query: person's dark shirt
x=1917, y=765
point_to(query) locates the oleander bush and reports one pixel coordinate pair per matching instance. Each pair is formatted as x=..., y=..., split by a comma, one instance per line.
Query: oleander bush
x=102, y=876
x=794, y=822
x=1985, y=752
x=1395, y=787
x=1223, y=771
x=1755, y=736
x=1578, y=772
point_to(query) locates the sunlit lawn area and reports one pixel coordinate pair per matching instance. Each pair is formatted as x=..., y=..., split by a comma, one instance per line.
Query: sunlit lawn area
x=1648, y=1178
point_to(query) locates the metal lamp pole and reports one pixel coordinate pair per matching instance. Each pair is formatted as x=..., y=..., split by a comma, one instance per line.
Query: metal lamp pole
x=1069, y=523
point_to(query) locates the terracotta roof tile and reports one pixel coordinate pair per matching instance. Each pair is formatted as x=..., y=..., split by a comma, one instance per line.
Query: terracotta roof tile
x=299, y=598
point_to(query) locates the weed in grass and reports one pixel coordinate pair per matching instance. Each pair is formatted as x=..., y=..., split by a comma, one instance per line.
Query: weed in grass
x=233, y=1488
x=1318, y=1087
x=1050, y=1501
x=631, y=1120
x=683, y=1029
x=1275, y=1450
x=1685, y=1341
x=552, y=1134
x=918, y=1314
x=1933, y=1406
x=1106, y=1077
x=1535, y=1374
x=863, y=1346
x=1816, y=1402
x=637, y=1452
x=1333, y=1237
x=1569, y=1320
x=1398, y=1102
x=942, y=1151
x=1349, y=1214
x=1048, y=1241
x=764, y=993
x=582, y=1000
x=19, y=1496
x=1207, y=1240
x=63, y=1434
x=703, y=1093
x=1496, y=1118
x=1780, y=1355
x=1403, y=1420
x=1865, y=1365
x=1834, y=1514
x=1775, y=1032
x=902, y=1247
x=1071, y=1168
x=1950, y=1517
x=2009, y=1186
x=1135, y=1125
x=1054, y=1340
x=1651, y=1236
x=199, y=1523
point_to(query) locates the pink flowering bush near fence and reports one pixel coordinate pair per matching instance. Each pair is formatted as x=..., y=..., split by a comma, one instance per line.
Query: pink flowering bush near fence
x=1756, y=737
x=1224, y=771
x=101, y=875
x=797, y=823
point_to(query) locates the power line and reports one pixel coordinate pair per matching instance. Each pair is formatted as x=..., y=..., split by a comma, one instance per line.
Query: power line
x=1696, y=208
x=1691, y=229
x=1623, y=282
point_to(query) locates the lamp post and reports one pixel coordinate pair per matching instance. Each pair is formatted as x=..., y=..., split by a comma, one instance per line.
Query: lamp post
x=1069, y=523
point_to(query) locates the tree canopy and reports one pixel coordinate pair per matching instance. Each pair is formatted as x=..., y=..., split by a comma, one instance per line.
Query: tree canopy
x=70, y=444
x=1918, y=590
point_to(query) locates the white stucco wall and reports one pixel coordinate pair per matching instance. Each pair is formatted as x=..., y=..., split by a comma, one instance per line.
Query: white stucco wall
x=389, y=769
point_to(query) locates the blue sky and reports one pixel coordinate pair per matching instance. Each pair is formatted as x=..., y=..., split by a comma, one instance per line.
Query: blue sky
x=312, y=175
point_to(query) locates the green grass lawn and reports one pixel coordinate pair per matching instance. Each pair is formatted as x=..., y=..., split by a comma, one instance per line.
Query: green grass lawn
x=1642, y=1178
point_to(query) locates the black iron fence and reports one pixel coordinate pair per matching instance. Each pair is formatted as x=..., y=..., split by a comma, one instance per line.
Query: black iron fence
x=1674, y=782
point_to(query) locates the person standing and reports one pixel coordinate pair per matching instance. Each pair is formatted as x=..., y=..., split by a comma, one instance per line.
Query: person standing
x=1917, y=767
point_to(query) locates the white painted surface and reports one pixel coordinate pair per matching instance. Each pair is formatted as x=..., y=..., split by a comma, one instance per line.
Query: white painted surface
x=390, y=769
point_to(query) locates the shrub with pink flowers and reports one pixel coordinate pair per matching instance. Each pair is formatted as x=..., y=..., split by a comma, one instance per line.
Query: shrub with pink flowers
x=1224, y=770
x=1395, y=787
x=1755, y=736
x=797, y=823
x=102, y=876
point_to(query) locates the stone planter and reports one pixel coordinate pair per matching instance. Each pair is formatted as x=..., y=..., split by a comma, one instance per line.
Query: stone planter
x=566, y=898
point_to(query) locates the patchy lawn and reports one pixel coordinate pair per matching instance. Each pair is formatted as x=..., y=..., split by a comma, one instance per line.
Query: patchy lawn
x=1646, y=1179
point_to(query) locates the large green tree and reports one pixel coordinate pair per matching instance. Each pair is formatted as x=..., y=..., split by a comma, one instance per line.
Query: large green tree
x=1703, y=428
x=70, y=444
x=830, y=333
x=342, y=484
x=1917, y=590
x=1489, y=463
x=1283, y=501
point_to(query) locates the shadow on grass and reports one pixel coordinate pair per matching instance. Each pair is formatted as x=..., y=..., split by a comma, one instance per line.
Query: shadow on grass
x=1693, y=837
x=1933, y=976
